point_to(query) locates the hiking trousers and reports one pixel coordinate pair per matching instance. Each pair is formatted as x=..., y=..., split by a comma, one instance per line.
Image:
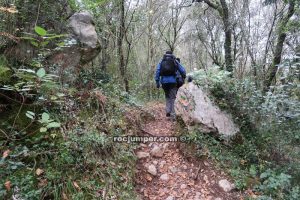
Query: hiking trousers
x=170, y=90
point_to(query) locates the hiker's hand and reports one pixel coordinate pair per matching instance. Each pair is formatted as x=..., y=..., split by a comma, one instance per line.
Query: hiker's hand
x=157, y=85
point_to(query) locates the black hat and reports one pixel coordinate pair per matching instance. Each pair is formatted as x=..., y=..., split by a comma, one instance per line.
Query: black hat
x=169, y=52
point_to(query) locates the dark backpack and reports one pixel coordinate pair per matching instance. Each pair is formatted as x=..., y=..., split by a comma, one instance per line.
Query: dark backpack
x=168, y=65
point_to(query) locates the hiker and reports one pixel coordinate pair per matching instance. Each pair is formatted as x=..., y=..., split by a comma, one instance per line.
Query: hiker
x=166, y=75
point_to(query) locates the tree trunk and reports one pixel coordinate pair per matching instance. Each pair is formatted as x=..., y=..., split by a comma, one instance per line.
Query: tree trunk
x=120, y=46
x=228, y=33
x=279, y=46
x=224, y=13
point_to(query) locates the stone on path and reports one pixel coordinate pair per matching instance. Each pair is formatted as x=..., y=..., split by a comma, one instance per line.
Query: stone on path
x=142, y=154
x=173, y=169
x=170, y=198
x=157, y=151
x=164, y=177
x=198, y=196
x=226, y=185
x=152, y=170
x=183, y=186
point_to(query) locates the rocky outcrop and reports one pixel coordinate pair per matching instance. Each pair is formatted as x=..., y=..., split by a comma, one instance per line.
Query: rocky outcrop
x=82, y=47
x=83, y=28
x=199, y=112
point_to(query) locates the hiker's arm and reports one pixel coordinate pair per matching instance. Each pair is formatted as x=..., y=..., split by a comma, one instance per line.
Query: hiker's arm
x=157, y=74
x=181, y=70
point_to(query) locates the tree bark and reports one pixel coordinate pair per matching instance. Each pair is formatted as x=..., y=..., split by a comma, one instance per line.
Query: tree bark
x=228, y=34
x=120, y=46
x=279, y=45
x=224, y=13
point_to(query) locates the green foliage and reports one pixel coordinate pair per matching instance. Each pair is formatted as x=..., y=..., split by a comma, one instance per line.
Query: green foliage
x=40, y=31
x=277, y=186
x=5, y=71
x=269, y=124
x=211, y=77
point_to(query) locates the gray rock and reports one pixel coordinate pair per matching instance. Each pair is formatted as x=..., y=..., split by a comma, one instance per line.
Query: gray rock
x=173, y=169
x=226, y=185
x=155, y=162
x=83, y=28
x=198, y=196
x=199, y=112
x=152, y=170
x=164, y=177
x=80, y=48
x=157, y=151
x=183, y=186
x=142, y=154
x=170, y=198
x=162, y=163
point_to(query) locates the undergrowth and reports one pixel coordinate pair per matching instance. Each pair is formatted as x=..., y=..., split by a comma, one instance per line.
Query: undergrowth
x=57, y=142
x=264, y=157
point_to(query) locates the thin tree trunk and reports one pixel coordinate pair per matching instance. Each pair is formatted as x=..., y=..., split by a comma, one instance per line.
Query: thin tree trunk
x=279, y=46
x=224, y=13
x=228, y=33
x=120, y=45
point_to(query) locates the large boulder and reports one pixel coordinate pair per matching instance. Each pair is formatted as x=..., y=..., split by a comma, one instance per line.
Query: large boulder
x=199, y=112
x=81, y=48
x=81, y=44
x=82, y=25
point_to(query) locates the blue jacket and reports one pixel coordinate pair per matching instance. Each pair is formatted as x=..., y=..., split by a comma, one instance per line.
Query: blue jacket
x=169, y=79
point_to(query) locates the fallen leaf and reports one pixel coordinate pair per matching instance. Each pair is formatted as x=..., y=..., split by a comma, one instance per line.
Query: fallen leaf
x=6, y=153
x=7, y=185
x=148, y=177
x=76, y=185
x=39, y=171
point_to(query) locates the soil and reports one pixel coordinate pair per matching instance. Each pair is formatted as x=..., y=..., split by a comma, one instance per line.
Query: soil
x=184, y=177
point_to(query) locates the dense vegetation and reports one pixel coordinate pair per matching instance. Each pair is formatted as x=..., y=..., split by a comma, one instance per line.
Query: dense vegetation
x=57, y=124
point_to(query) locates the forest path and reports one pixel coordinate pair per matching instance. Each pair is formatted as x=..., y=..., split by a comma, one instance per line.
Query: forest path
x=164, y=173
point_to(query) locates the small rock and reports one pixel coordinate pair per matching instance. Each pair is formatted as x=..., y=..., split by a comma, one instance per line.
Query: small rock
x=164, y=177
x=184, y=167
x=142, y=154
x=218, y=198
x=162, y=163
x=155, y=162
x=143, y=145
x=226, y=185
x=165, y=146
x=152, y=170
x=183, y=186
x=157, y=151
x=173, y=169
x=205, y=179
x=170, y=198
x=206, y=163
x=197, y=196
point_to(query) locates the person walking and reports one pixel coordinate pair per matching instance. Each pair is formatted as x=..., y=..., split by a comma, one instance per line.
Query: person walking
x=166, y=75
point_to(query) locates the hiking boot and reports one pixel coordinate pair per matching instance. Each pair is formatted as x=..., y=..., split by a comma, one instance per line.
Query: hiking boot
x=168, y=115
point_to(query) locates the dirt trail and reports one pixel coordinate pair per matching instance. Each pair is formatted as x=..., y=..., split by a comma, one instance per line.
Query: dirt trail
x=166, y=174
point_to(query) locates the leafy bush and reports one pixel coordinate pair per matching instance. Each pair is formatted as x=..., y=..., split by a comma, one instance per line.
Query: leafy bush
x=269, y=125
